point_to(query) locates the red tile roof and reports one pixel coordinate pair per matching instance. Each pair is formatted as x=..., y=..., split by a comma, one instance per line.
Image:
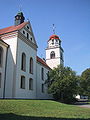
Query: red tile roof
x=53, y=37
x=42, y=62
x=12, y=28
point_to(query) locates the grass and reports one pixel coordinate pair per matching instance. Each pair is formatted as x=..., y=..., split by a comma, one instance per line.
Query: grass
x=41, y=110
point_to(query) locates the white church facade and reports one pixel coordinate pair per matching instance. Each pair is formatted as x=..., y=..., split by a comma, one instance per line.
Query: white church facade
x=22, y=72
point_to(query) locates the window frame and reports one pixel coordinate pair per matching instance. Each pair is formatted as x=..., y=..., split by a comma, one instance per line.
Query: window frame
x=31, y=65
x=28, y=27
x=22, y=82
x=23, y=32
x=42, y=88
x=27, y=35
x=42, y=73
x=52, y=41
x=30, y=84
x=23, y=62
x=52, y=55
x=61, y=55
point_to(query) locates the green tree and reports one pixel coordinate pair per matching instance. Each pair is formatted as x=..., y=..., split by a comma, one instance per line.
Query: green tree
x=62, y=84
x=85, y=82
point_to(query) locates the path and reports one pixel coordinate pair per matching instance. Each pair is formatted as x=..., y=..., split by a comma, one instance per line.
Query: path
x=85, y=106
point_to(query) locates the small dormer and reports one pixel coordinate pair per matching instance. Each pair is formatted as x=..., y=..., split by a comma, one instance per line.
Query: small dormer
x=19, y=18
x=54, y=41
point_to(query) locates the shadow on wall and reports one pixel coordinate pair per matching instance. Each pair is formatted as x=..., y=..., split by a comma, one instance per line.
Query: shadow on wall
x=11, y=116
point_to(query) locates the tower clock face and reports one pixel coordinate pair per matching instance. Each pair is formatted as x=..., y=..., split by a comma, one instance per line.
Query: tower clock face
x=17, y=17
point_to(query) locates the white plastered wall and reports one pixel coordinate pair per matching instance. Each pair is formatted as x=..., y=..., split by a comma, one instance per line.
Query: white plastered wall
x=40, y=94
x=2, y=70
x=30, y=52
x=53, y=62
x=11, y=67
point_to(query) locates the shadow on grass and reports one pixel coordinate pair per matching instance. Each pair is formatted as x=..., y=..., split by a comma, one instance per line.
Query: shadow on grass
x=11, y=116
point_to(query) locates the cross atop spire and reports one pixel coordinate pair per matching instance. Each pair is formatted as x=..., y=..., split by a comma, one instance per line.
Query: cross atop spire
x=54, y=29
x=20, y=6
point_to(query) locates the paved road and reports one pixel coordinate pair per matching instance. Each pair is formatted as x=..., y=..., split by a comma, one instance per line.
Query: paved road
x=85, y=106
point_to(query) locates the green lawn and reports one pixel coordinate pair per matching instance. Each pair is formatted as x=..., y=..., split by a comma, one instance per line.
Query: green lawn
x=41, y=110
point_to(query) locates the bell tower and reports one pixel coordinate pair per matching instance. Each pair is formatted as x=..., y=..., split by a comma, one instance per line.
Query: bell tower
x=19, y=18
x=54, y=52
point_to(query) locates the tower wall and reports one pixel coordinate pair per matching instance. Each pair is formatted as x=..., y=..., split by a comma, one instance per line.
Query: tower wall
x=53, y=62
x=54, y=47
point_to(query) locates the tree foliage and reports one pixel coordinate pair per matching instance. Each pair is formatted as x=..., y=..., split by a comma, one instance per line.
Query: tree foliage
x=62, y=84
x=85, y=82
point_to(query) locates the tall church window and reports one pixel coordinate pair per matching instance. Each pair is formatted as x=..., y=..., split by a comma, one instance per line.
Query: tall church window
x=42, y=73
x=22, y=85
x=23, y=62
x=1, y=56
x=30, y=84
x=31, y=65
x=0, y=80
x=42, y=88
x=52, y=55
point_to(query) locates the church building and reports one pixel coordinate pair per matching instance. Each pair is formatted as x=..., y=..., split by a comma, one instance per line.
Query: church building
x=22, y=72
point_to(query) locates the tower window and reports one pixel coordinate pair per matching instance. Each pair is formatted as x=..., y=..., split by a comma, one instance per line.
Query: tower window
x=30, y=84
x=23, y=32
x=22, y=82
x=56, y=40
x=61, y=56
x=31, y=39
x=59, y=42
x=1, y=56
x=27, y=27
x=52, y=55
x=27, y=36
x=17, y=17
x=52, y=42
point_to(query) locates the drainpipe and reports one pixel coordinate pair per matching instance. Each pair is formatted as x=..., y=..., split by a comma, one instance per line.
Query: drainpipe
x=5, y=74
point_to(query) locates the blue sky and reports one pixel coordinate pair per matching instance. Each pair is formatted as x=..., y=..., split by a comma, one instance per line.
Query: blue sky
x=72, y=21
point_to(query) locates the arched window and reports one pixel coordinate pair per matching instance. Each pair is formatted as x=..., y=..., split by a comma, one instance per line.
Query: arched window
x=1, y=56
x=52, y=55
x=23, y=62
x=30, y=84
x=42, y=73
x=31, y=66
